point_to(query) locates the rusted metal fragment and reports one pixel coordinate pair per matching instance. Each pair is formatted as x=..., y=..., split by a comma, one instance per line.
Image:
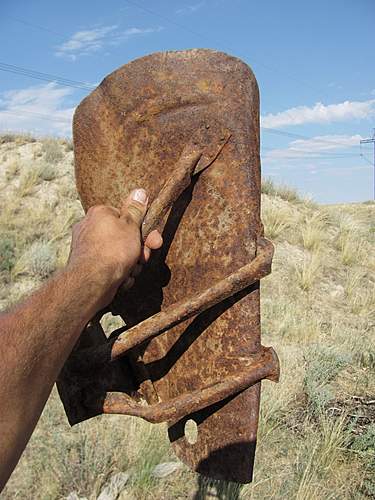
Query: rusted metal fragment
x=130, y=132
x=264, y=365
x=174, y=314
x=200, y=152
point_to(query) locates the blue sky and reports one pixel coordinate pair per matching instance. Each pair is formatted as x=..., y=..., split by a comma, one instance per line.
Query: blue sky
x=313, y=62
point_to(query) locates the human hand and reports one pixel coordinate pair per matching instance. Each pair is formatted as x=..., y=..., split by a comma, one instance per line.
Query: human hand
x=107, y=244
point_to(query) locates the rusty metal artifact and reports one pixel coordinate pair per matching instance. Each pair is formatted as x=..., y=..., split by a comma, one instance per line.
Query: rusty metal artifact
x=185, y=126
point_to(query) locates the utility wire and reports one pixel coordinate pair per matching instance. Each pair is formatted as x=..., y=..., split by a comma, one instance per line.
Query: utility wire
x=300, y=136
x=38, y=115
x=11, y=68
x=38, y=26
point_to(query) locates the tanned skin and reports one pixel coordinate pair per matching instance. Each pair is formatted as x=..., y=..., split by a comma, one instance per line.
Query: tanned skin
x=37, y=336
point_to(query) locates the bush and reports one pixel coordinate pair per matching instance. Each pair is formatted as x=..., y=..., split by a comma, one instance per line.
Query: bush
x=29, y=179
x=5, y=138
x=52, y=151
x=7, y=253
x=39, y=260
x=12, y=170
x=322, y=366
x=276, y=221
x=308, y=271
x=48, y=171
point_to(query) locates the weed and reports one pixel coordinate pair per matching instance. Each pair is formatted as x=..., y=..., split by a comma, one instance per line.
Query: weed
x=276, y=221
x=314, y=232
x=39, y=261
x=366, y=359
x=12, y=170
x=7, y=253
x=29, y=179
x=353, y=281
x=47, y=171
x=6, y=138
x=52, y=151
x=284, y=192
x=350, y=249
x=322, y=365
x=268, y=187
x=308, y=270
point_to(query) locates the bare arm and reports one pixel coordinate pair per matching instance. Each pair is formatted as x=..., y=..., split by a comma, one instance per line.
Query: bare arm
x=38, y=335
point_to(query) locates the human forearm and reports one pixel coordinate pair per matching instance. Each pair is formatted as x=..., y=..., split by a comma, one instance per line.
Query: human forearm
x=38, y=335
x=35, y=340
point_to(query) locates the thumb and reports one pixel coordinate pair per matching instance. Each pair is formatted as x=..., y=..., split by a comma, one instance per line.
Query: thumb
x=135, y=206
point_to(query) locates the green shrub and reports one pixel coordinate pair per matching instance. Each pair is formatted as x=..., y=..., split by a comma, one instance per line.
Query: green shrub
x=39, y=260
x=48, y=171
x=322, y=366
x=7, y=253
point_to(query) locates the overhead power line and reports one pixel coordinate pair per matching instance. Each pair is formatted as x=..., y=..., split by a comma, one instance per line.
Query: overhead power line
x=370, y=140
x=18, y=70
x=306, y=138
x=37, y=26
x=51, y=118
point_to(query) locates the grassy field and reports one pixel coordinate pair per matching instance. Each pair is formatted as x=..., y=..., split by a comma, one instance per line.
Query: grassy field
x=317, y=429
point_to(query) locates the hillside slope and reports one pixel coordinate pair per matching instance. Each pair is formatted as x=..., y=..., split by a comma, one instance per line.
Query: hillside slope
x=317, y=430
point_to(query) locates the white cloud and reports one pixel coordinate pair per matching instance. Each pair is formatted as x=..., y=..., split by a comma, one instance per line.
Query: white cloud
x=87, y=42
x=314, y=148
x=39, y=109
x=84, y=42
x=348, y=110
x=325, y=143
x=189, y=9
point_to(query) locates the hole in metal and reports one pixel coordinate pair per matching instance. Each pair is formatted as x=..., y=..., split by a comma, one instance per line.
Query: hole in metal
x=110, y=323
x=191, y=431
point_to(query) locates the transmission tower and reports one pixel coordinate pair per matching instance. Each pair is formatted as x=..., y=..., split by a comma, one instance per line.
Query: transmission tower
x=371, y=140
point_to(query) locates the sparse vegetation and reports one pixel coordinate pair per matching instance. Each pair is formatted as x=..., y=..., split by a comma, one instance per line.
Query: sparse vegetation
x=7, y=253
x=316, y=433
x=39, y=260
x=308, y=270
x=47, y=171
x=52, y=151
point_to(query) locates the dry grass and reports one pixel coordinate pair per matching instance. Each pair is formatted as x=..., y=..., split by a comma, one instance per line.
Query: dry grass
x=308, y=271
x=317, y=312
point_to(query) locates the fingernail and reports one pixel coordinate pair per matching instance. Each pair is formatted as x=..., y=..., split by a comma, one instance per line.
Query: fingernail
x=140, y=195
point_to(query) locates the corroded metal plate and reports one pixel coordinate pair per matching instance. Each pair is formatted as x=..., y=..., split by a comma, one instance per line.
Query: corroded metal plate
x=129, y=133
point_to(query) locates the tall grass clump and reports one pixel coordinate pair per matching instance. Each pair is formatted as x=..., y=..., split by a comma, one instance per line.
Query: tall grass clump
x=323, y=457
x=12, y=170
x=313, y=232
x=7, y=252
x=52, y=151
x=308, y=270
x=29, y=178
x=276, y=221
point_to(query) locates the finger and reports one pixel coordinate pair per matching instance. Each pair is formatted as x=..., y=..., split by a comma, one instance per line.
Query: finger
x=145, y=255
x=154, y=240
x=135, y=206
x=96, y=209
